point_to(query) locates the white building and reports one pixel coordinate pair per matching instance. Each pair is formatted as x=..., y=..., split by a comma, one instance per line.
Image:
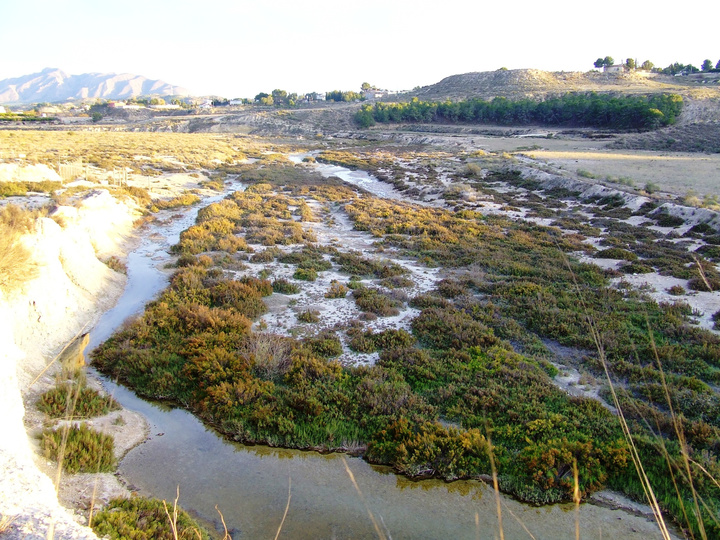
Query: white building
x=617, y=68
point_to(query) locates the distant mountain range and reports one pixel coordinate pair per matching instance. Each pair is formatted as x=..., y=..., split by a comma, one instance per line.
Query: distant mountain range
x=54, y=85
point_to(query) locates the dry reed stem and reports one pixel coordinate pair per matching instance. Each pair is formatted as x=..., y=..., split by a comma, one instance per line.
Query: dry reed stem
x=496, y=486
x=379, y=532
x=520, y=522
x=677, y=426
x=287, y=507
x=226, y=535
x=634, y=454
x=701, y=271
x=173, y=519
x=6, y=522
x=576, y=498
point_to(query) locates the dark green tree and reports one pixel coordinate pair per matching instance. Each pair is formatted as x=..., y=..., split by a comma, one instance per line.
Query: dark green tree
x=706, y=65
x=647, y=65
x=608, y=61
x=279, y=96
x=599, y=63
x=717, y=66
x=630, y=63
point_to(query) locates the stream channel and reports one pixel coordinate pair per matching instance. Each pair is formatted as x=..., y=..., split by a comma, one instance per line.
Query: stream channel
x=331, y=496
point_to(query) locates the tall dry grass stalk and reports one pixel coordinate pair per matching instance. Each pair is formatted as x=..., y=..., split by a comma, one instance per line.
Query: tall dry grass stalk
x=287, y=507
x=6, y=522
x=576, y=498
x=172, y=519
x=496, y=485
x=634, y=453
x=381, y=535
x=226, y=534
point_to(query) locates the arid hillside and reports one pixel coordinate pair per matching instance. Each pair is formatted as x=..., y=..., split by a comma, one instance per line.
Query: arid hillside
x=533, y=83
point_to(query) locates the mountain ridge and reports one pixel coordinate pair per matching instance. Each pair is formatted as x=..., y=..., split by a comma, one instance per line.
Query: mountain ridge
x=54, y=85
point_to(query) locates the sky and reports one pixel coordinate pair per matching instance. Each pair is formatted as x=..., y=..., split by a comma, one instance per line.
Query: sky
x=240, y=48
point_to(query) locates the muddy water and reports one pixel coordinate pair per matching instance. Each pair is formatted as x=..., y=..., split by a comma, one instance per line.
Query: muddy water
x=333, y=497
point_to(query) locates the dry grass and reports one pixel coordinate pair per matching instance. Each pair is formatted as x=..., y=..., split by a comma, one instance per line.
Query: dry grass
x=6, y=522
x=270, y=352
x=124, y=149
x=675, y=173
x=16, y=266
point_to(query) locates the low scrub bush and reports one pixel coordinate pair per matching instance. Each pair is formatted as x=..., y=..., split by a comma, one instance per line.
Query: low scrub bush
x=397, y=282
x=139, y=518
x=616, y=253
x=79, y=449
x=186, y=199
x=114, y=263
x=373, y=301
x=336, y=290
x=449, y=329
x=355, y=264
x=305, y=274
x=282, y=285
x=325, y=345
x=309, y=316
x=665, y=219
x=75, y=400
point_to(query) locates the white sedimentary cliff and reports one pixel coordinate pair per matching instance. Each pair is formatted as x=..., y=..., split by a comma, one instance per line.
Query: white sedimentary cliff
x=69, y=289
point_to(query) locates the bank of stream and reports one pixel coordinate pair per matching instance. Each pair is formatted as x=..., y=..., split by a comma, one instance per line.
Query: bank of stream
x=331, y=496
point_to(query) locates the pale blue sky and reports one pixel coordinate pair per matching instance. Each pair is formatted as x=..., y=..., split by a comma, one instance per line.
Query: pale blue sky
x=239, y=48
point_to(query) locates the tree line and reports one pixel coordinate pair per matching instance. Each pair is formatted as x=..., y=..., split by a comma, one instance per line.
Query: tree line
x=573, y=109
x=672, y=69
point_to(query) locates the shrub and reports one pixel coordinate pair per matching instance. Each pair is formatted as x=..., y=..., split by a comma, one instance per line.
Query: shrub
x=86, y=450
x=676, y=290
x=305, y=274
x=445, y=329
x=270, y=354
x=450, y=288
x=363, y=343
x=636, y=268
x=397, y=282
x=616, y=253
x=139, y=518
x=75, y=401
x=309, y=316
x=665, y=219
x=264, y=256
x=423, y=301
x=283, y=286
x=186, y=199
x=336, y=290
x=326, y=344
x=374, y=301
x=707, y=284
x=114, y=263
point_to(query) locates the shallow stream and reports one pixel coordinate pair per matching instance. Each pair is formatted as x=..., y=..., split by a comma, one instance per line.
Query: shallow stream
x=330, y=496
